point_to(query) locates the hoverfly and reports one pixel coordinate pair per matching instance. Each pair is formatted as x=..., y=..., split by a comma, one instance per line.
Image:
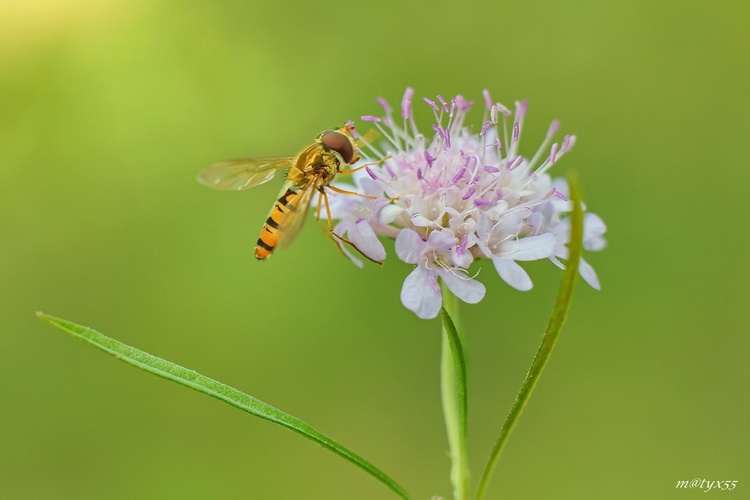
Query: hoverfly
x=312, y=170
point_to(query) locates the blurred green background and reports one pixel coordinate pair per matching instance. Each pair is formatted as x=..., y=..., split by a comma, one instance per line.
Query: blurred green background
x=107, y=112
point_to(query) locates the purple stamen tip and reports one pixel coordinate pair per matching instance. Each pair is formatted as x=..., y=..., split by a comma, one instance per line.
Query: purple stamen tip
x=406, y=103
x=482, y=203
x=458, y=176
x=390, y=171
x=516, y=131
x=406, y=109
x=567, y=143
x=521, y=108
x=502, y=109
x=463, y=104
x=485, y=128
x=459, y=99
x=438, y=131
x=554, y=126
x=553, y=154
x=431, y=103
x=370, y=118
x=371, y=173
x=491, y=170
x=558, y=194
x=469, y=194
x=429, y=159
x=516, y=162
x=442, y=101
x=352, y=129
x=487, y=98
x=384, y=104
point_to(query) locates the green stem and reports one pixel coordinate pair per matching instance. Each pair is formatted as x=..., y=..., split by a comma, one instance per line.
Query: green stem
x=453, y=389
x=556, y=322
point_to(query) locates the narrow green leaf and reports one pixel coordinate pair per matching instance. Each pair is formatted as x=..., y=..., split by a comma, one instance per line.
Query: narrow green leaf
x=554, y=327
x=218, y=390
x=454, y=395
x=459, y=367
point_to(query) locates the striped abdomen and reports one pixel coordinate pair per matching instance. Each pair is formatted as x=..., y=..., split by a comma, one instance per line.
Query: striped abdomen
x=281, y=216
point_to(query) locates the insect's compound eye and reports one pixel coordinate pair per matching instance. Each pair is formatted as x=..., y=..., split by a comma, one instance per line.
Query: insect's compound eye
x=339, y=143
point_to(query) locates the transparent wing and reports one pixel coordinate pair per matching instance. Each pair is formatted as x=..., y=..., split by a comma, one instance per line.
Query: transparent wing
x=243, y=173
x=295, y=218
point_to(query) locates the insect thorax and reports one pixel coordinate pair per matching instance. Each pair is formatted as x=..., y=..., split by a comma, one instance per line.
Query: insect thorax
x=315, y=164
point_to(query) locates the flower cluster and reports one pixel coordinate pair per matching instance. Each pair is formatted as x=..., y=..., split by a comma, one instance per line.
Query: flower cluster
x=454, y=195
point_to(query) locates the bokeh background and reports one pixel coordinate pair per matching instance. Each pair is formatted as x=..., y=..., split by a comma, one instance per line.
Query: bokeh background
x=108, y=110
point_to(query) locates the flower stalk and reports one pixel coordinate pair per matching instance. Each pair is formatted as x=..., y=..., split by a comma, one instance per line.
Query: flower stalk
x=454, y=396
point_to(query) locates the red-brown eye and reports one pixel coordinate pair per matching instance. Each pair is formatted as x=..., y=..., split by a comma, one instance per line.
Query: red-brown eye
x=339, y=143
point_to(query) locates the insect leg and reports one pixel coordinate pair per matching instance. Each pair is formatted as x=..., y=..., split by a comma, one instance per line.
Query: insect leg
x=344, y=191
x=352, y=170
x=336, y=238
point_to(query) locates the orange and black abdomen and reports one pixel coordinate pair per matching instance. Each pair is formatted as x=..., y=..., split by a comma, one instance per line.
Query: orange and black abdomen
x=277, y=222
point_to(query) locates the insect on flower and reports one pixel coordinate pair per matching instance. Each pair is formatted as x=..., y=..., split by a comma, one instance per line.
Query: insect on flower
x=312, y=170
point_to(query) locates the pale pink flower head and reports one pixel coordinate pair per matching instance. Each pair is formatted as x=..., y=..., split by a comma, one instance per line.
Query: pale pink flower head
x=456, y=193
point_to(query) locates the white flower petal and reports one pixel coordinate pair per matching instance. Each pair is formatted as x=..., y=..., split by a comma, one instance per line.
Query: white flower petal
x=421, y=221
x=389, y=213
x=409, y=246
x=498, y=210
x=369, y=186
x=510, y=224
x=421, y=294
x=481, y=245
x=556, y=262
x=346, y=252
x=561, y=185
x=362, y=235
x=593, y=229
x=513, y=274
x=443, y=240
x=561, y=251
x=463, y=259
x=484, y=224
x=465, y=288
x=534, y=247
x=594, y=224
x=588, y=274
